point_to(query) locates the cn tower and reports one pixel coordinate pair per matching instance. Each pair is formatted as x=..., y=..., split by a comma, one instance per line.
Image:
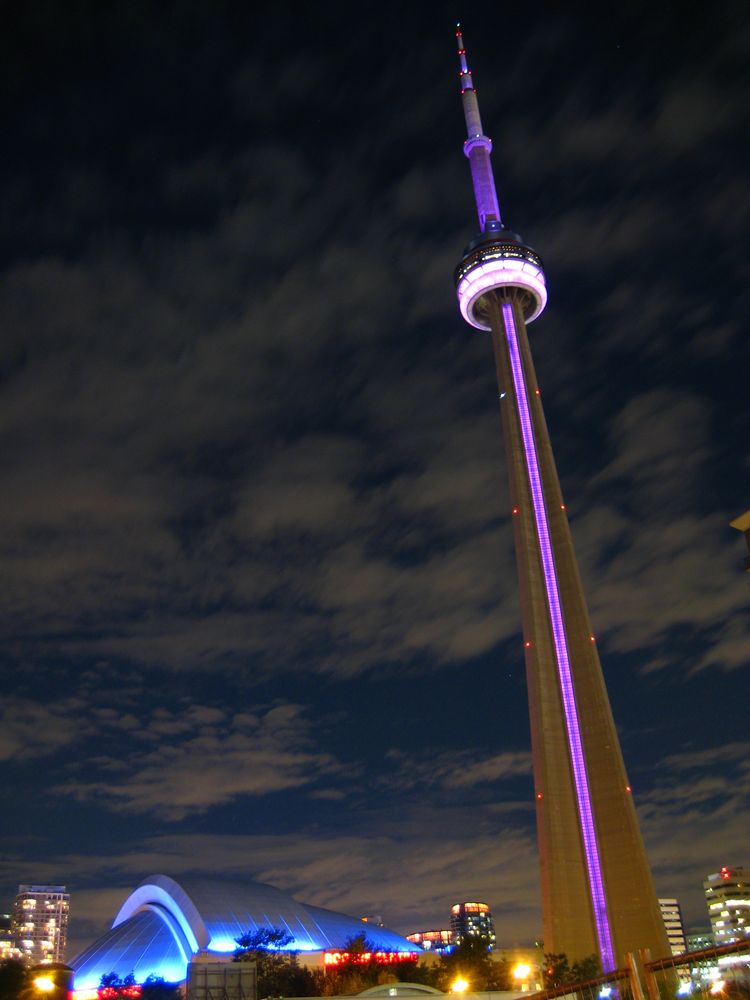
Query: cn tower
x=597, y=893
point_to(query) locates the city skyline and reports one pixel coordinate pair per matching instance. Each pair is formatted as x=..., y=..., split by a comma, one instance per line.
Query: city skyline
x=259, y=604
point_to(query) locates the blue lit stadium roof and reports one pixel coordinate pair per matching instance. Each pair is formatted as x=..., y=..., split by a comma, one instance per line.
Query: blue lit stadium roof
x=162, y=924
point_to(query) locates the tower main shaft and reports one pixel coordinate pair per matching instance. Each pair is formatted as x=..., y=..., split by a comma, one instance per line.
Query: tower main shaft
x=597, y=892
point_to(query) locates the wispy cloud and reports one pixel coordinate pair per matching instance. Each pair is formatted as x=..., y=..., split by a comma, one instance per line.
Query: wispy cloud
x=455, y=770
x=29, y=729
x=206, y=757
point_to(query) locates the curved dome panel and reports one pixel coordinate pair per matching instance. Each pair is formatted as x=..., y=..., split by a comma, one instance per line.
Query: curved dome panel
x=337, y=928
x=145, y=945
x=230, y=908
x=163, y=923
x=164, y=892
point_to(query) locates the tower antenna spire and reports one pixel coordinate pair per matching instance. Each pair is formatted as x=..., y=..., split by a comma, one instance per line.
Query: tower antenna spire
x=477, y=147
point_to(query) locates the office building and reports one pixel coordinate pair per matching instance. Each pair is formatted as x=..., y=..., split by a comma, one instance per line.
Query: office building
x=597, y=891
x=671, y=914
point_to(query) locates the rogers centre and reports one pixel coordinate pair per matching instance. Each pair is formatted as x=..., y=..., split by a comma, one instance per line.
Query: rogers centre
x=163, y=925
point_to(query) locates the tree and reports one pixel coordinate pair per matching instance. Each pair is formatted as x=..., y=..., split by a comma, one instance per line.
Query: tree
x=556, y=970
x=111, y=987
x=585, y=968
x=14, y=979
x=418, y=972
x=357, y=969
x=472, y=960
x=278, y=969
x=156, y=988
x=559, y=972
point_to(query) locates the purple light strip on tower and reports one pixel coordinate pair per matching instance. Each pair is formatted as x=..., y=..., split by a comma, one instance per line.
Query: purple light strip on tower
x=580, y=776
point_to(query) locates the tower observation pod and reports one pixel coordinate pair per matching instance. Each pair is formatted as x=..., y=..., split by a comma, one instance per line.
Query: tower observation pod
x=597, y=893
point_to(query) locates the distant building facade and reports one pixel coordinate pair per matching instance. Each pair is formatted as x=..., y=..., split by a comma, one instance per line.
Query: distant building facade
x=472, y=920
x=699, y=940
x=671, y=914
x=728, y=900
x=438, y=940
x=8, y=947
x=40, y=923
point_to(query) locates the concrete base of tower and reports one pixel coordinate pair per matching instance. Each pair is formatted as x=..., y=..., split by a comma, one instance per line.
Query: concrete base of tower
x=597, y=892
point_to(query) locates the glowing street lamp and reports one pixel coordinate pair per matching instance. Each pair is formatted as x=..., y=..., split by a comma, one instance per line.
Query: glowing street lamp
x=522, y=973
x=459, y=985
x=50, y=981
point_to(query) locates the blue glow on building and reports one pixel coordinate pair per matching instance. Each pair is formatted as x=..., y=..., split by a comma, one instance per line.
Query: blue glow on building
x=162, y=924
x=224, y=946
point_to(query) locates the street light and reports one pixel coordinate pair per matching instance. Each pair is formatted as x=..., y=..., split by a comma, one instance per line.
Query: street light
x=459, y=985
x=49, y=981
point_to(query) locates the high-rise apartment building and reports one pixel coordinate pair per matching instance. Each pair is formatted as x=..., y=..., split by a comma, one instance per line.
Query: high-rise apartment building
x=597, y=892
x=40, y=922
x=472, y=920
x=671, y=914
x=728, y=900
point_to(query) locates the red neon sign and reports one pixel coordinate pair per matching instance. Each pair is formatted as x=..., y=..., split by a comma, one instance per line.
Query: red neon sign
x=364, y=957
x=130, y=992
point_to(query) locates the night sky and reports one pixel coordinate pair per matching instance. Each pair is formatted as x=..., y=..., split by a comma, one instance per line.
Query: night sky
x=259, y=605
